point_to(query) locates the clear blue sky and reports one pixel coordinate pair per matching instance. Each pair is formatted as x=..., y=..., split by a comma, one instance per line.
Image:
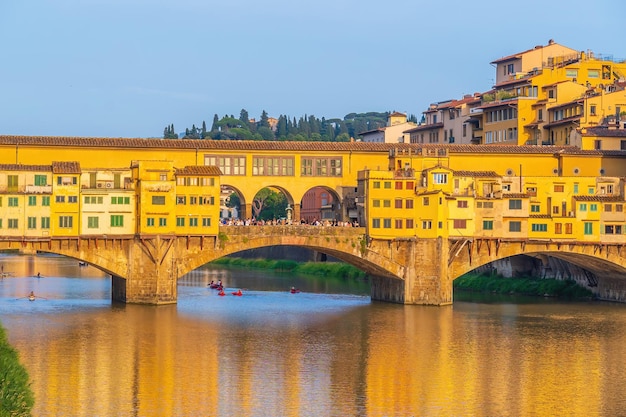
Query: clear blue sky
x=128, y=68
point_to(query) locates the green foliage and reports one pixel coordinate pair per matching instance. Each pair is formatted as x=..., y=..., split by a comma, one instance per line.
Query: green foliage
x=335, y=269
x=306, y=128
x=169, y=133
x=16, y=397
x=523, y=286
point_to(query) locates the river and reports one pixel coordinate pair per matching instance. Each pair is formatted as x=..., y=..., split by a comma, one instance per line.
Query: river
x=327, y=351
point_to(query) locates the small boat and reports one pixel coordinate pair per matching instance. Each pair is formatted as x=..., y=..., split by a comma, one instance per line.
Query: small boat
x=31, y=298
x=237, y=293
x=82, y=263
x=221, y=293
x=215, y=286
x=294, y=290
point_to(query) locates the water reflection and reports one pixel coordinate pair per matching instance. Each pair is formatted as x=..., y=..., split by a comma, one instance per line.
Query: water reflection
x=271, y=353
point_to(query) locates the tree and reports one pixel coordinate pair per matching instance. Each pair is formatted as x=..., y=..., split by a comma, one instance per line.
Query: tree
x=264, y=122
x=266, y=133
x=215, y=122
x=169, y=133
x=243, y=116
x=203, y=133
x=259, y=201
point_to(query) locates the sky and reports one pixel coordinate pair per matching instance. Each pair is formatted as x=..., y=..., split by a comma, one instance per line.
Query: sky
x=128, y=68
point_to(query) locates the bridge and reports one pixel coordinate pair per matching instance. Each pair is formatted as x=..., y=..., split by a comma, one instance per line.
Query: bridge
x=145, y=269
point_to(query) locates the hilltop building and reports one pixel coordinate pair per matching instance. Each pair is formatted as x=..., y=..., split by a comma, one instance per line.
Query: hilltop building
x=394, y=132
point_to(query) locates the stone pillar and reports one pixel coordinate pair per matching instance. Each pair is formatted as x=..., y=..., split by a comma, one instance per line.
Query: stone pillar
x=296, y=213
x=118, y=289
x=245, y=211
x=428, y=279
x=152, y=272
x=387, y=289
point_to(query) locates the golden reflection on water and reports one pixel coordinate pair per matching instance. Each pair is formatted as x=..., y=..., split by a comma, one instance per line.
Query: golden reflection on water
x=370, y=359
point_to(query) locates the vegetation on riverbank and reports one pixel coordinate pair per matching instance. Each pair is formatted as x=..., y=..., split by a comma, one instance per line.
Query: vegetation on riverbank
x=309, y=268
x=496, y=284
x=16, y=397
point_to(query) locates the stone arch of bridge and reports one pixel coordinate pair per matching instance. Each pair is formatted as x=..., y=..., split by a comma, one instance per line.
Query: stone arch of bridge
x=601, y=260
x=347, y=248
x=335, y=198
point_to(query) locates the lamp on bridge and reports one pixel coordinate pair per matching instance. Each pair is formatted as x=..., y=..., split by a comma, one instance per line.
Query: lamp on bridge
x=289, y=211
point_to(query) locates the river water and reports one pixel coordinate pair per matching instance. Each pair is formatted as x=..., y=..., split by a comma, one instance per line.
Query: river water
x=327, y=351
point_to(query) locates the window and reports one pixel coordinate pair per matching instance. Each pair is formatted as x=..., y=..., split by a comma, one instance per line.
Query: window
x=515, y=226
x=461, y=204
x=534, y=208
x=387, y=185
x=32, y=222
x=440, y=178
x=588, y=228
x=426, y=201
x=460, y=223
x=66, y=222
x=593, y=207
x=150, y=221
x=427, y=224
x=376, y=184
x=193, y=222
x=206, y=222
x=558, y=188
x=592, y=109
x=12, y=224
x=613, y=229
x=180, y=222
x=376, y=203
x=399, y=223
x=12, y=182
x=387, y=223
x=181, y=200
x=575, y=188
x=162, y=221
x=60, y=199
x=93, y=222
x=32, y=200
x=409, y=223
x=591, y=190
x=555, y=209
x=41, y=180
x=487, y=224
x=515, y=204
x=582, y=207
x=320, y=167
x=568, y=228
x=593, y=73
x=619, y=208
x=283, y=166
x=558, y=228
x=387, y=203
x=45, y=223
x=408, y=203
x=398, y=203
x=13, y=202
x=229, y=165
x=376, y=223
x=162, y=177
x=207, y=200
x=158, y=200
x=409, y=185
x=539, y=227
x=398, y=185
x=72, y=199
x=120, y=200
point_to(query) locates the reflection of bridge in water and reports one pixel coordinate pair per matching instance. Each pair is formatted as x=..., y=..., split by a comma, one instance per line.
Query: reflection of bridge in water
x=412, y=271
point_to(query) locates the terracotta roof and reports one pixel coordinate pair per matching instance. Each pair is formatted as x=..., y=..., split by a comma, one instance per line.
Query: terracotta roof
x=515, y=195
x=66, y=168
x=424, y=127
x=20, y=167
x=539, y=216
x=476, y=174
x=605, y=132
x=248, y=145
x=199, y=170
x=601, y=198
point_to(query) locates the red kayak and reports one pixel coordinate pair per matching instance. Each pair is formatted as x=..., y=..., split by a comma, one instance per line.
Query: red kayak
x=221, y=292
x=238, y=293
x=294, y=291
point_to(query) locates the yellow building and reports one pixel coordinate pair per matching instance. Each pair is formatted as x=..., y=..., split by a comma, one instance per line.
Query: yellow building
x=156, y=198
x=466, y=204
x=25, y=192
x=197, y=200
x=64, y=204
x=108, y=202
x=544, y=94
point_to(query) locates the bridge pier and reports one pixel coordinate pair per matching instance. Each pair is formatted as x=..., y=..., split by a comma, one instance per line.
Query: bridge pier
x=152, y=273
x=423, y=265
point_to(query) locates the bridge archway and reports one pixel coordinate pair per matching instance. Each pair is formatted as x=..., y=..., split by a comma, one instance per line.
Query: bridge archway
x=601, y=268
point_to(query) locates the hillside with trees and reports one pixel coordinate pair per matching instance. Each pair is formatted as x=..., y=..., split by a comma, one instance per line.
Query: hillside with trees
x=284, y=128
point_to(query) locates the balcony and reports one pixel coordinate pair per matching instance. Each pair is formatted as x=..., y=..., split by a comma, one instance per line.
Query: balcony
x=38, y=189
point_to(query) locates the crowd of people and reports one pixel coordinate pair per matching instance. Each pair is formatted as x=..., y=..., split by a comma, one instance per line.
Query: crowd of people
x=285, y=222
